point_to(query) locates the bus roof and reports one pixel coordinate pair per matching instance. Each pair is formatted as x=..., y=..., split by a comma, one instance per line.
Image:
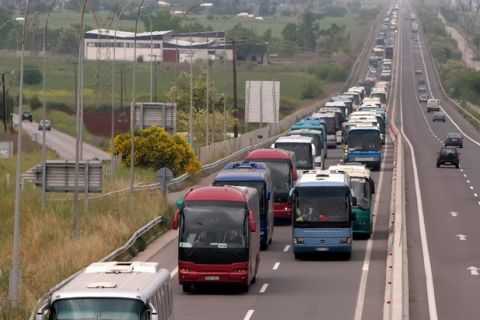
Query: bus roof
x=265, y=153
x=355, y=170
x=130, y=280
x=366, y=127
x=224, y=193
x=246, y=165
x=315, y=178
x=242, y=174
x=295, y=139
x=324, y=114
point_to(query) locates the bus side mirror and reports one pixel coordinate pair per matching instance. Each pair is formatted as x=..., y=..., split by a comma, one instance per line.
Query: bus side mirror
x=354, y=201
x=251, y=222
x=176, y=220
x=153, y=312
x=290, y=196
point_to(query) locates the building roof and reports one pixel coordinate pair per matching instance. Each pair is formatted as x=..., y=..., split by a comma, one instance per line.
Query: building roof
x=203, y=34
x=125, y=35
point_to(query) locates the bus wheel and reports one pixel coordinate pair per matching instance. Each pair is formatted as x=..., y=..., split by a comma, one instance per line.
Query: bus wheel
x=299, y=256
x=245, y=287
x=187, y=288
x=347, y=255
x=254, y=279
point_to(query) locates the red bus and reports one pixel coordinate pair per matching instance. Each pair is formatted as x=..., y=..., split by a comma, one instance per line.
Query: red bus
x=219, y=241
x=284, y=176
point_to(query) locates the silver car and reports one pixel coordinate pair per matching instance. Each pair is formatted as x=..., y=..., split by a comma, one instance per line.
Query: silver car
x=45, y=124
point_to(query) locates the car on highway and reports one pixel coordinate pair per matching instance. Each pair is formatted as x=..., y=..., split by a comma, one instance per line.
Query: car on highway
x=27, y=115
x=448, y=155
x=439, y=116
x=422, y=87
x=45, y=124
x=453, y=139
x=423, y=98
x=418, y=71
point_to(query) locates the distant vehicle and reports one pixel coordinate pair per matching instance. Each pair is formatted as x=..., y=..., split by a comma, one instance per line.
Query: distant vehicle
x=363, y=145
x=332, y=127
x=389, y=52
x=254, y=175
x=47, y=125
x=27, y=115
x=323, y=216
x=418, y=71
x=453, y=139
x=317, y=137
x=113, y=290
x=422, y=86
x=439, y=116
x=282, y=164
x=302, y=146
x=315, y=124
x=448, y=155
x=433, y=105
x=423, y=98
x=219, y=237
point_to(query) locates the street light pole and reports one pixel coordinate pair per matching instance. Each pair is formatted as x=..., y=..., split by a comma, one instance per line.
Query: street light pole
x=14, y=281
x=235, y=107
x=44, y=107
x=132, y=105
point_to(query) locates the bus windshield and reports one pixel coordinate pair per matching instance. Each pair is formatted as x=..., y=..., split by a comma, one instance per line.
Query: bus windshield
x=364, y=140
x=98, y=309
x=360, y=188
x=302, y=151
x=259, y=185
x=213, y=224
x=281, y=179
x=317, y=206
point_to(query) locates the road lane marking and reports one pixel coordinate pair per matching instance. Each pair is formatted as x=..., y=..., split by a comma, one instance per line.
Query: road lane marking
x=471, y=188
x=461, y=237
x=454, y=214
x=174, y=272
x=468, y=181
x=464, y=174
x=287, y=247
x=473, y=270
x=276, y=265
x=365, y=267
x=475, y=195
x=249, y=314
x=264, y=288
x=461, y=170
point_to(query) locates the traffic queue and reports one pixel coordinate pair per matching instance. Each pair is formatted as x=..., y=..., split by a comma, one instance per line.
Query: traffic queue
x=223, y=227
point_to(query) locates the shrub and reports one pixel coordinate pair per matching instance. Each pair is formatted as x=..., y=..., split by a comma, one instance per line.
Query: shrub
x=32, y=76
x=35, y=103
x=155, y=148
x=330, y=72
x=312, y=89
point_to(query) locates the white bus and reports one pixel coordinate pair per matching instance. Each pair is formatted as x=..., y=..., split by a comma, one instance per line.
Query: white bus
x=113, y=290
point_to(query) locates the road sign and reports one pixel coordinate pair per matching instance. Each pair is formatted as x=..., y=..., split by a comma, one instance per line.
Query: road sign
x=164, y=176
x=163, y=115
x=262, y=101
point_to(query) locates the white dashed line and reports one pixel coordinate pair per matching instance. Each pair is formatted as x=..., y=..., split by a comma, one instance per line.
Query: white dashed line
x=468, y=181
x=471, y=188
x=465, y=175
x=479, y=203
x=461, y=170
x=287, y=247
x=475, y=195
x=264, y=288
x=276, y=265
x=249, y=314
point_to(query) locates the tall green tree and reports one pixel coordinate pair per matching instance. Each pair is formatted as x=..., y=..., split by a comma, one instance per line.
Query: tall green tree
x=290, y=32
x=306, y=36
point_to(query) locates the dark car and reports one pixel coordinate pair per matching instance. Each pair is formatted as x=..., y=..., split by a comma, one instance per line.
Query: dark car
x=422, y=85
x=47, y=125
x=448, y=155
x=439, y=116
x=454, y=139
x=27, y=115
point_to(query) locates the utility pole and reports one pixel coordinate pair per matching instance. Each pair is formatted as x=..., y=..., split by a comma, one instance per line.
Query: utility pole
x=4, y=115
x=235, y=106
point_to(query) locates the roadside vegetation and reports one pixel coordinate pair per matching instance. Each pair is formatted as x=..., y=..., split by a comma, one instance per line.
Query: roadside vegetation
x=460, y=83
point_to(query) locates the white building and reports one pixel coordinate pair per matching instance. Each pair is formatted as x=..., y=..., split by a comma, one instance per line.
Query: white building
x=103, y=44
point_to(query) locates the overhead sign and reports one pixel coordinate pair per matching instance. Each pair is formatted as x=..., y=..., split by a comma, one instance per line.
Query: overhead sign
x=60, y=176
x=262, y=101
x=163, y=115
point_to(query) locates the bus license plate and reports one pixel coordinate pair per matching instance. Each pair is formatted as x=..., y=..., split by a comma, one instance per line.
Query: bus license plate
x=368, y=159
x=212, y=278
x=321, y=249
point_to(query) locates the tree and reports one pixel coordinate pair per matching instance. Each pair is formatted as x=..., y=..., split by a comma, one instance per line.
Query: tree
x=305, y=35
x=32, y=75
x=68, y=41
x=155, y=148
x=162, y=20
x=290, y=32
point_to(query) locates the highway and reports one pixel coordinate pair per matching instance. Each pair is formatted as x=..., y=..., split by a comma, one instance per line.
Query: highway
x=307, y=289
x=62, y=143
x=442, y=204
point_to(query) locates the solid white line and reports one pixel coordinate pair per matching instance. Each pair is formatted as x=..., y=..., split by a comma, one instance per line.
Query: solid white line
x=432, y=307
x=249, y=314
x=174, y=272
x=264, y=288
x=276, y=265
x=287, y=247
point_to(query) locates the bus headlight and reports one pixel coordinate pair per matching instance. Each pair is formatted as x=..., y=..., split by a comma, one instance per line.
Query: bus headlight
x=298, y=241
x=346, y=240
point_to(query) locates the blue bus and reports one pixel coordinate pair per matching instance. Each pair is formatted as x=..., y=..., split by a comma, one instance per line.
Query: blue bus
x=315, y=124
x=363, y=144
x=323, y=216
x=255, y=175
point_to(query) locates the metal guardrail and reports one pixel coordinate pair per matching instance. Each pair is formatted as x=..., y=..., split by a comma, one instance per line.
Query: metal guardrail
x=110, y=257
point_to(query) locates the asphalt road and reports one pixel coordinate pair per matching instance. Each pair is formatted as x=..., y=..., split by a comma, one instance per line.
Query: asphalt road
x=442, y=204
x=62, y=143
